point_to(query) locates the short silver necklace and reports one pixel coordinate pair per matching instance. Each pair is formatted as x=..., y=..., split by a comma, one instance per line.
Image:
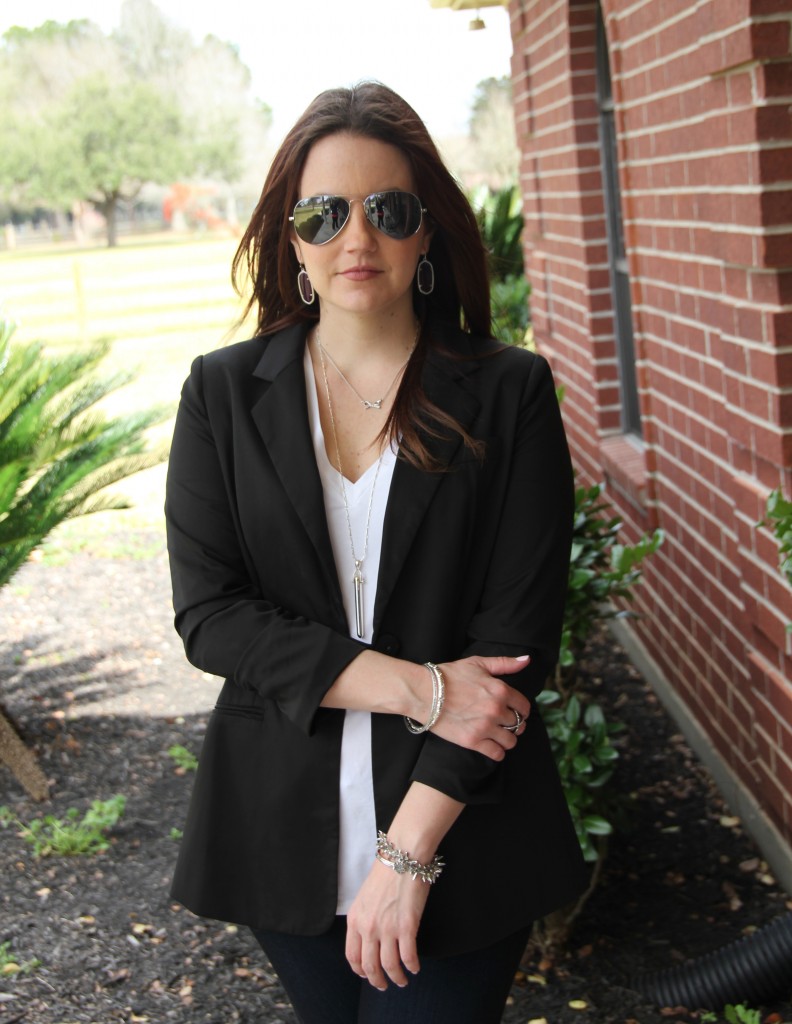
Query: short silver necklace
x=357, y=577
x=377, y=403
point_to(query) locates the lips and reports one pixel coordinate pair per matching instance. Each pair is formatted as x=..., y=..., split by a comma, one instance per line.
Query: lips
x=360, y=273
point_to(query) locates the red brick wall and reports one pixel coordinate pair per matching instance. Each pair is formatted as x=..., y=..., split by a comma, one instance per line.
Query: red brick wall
x=703, y=94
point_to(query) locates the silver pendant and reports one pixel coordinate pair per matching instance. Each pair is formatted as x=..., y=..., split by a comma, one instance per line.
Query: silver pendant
x=373, y=405
x=358, y=581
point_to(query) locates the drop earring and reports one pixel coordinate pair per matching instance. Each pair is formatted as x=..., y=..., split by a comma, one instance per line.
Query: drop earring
x=304, y=286
x=424, y=276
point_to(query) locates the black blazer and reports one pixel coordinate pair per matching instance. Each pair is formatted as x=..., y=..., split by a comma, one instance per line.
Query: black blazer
x=474, y=561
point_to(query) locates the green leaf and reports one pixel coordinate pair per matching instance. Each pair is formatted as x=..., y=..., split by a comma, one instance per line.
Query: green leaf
x=597, y=826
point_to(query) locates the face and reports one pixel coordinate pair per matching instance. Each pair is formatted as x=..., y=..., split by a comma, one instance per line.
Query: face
x=360, y=270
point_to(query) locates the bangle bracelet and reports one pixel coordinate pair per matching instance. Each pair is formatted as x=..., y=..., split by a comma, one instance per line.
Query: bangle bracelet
x=403, y=864
x=438, y=698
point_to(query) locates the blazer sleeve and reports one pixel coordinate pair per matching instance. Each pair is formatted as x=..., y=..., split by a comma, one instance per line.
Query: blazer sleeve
x=521, y=608
x=228, y=628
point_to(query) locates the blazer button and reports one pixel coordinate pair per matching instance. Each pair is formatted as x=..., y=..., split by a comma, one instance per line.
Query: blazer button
x=386, y=643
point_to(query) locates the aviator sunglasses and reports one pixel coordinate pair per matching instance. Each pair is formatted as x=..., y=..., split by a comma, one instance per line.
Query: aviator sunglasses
x=318, y=219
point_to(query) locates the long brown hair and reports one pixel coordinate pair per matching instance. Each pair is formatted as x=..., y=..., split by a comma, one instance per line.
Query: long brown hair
x=461, y=293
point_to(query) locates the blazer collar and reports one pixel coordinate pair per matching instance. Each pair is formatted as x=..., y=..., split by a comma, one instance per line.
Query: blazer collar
x=446, y=382
x=281, y=416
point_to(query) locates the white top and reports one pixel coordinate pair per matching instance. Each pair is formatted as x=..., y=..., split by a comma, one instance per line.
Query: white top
x=358, y=827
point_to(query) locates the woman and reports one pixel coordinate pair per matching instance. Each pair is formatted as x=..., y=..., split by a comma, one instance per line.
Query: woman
x=369, y=514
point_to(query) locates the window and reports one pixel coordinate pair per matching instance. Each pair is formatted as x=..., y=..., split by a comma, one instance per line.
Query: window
x=620, y=279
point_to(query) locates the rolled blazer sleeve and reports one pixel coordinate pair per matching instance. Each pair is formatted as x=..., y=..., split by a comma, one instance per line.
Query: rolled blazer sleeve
x=227, y=626
x=521, y=607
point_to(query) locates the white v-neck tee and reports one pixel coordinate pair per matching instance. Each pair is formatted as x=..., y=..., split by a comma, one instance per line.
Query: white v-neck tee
x=358, y=829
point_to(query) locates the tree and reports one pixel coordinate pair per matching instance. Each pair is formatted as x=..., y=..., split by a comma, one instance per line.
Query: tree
x=57, y=455
x=164, y=108
x=109, y=140
x=492, y=131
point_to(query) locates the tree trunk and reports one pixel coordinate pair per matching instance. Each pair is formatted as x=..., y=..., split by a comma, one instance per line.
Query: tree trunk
x=112, y=228
x=21, y=761
x=108, y=208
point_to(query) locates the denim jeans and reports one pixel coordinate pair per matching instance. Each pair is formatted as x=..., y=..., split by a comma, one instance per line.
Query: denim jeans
x=469, y=988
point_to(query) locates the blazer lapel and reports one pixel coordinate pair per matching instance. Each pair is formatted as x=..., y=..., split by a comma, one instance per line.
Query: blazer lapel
x=412, y=490
x=281, y=416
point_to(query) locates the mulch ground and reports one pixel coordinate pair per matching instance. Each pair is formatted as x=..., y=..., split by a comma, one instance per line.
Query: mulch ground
x=97, y=682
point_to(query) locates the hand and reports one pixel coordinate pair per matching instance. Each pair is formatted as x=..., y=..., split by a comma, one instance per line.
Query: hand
x=382, y=925
x=478, y=705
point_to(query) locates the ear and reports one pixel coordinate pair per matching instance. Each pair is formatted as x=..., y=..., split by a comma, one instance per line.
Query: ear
x=296, y=247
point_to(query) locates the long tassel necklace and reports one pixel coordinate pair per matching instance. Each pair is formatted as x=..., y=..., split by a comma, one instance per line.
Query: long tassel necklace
x=367, y=403
x=357, y=578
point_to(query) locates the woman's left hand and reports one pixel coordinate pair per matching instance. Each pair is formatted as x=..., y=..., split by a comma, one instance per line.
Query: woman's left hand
x=382, y=926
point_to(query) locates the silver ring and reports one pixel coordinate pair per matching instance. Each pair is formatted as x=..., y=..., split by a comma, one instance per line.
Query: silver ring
x=517, y=724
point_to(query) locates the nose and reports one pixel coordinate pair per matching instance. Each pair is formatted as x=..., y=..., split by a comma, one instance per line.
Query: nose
x=359, y=232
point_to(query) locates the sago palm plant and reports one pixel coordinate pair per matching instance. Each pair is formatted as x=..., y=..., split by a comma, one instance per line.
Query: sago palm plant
x=58, y=451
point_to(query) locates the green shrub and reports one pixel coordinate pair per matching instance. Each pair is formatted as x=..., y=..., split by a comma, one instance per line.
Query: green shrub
x=600, y=569
x=734, y=1014
x=183, y=758
x=779, y=520
x=9, y=964
x=510, y=311
x=57, y=451
x=586, y=758
x=70, y=837
x=499, y=214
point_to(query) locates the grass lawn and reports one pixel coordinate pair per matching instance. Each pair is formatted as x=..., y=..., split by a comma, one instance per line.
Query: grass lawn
x=161, y=302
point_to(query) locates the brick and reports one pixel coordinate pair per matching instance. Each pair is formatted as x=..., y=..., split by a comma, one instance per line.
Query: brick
x=773, y=123
x=776, y=251
x=774, y=80
x=770, y=38
x=771, y=165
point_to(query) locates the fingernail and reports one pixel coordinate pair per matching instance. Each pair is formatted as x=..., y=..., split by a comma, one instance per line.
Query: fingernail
x=523, y=657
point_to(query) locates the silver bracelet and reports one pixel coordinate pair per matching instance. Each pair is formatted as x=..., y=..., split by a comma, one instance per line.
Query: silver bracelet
x=438, y=698
x=403, y=864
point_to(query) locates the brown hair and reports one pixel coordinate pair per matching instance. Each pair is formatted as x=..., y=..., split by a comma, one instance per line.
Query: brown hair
x=461, y=293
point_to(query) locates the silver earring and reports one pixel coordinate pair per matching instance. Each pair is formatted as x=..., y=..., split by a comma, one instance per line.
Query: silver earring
x=424, y=276
x=304, y=287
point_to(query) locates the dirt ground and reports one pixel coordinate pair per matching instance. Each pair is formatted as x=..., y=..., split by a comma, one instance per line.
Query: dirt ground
x=96, y=679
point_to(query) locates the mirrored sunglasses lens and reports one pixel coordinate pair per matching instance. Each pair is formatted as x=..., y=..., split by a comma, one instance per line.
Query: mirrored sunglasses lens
x=320, y=218
x=396, y=214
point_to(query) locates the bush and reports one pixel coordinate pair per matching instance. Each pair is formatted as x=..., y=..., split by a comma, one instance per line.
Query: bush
x=70, y=836
x=510, y=310
x=500, y=219
x=779, y=519
x=600, y=569
x=56, y=450
x=581, y=742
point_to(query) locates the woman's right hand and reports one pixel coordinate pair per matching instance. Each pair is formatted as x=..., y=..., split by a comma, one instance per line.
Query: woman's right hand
x=478, y=705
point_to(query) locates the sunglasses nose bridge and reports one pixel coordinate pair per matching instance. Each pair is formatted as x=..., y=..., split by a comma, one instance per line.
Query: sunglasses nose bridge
x=362, y=220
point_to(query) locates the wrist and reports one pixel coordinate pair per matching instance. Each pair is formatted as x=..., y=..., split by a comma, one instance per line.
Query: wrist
x=404, y=863
x=418, y=691
x=438, y=699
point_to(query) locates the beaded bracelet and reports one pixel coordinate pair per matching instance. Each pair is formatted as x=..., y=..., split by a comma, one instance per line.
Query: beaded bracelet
x=438, y=698
x=402, y=863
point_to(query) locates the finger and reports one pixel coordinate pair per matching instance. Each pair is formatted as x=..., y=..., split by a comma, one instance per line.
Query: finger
x=503, y=666
x=518, y=702
x=494, y=751
x=353, y=952
x=372, y=965
x=408, y=950
x=391, y=963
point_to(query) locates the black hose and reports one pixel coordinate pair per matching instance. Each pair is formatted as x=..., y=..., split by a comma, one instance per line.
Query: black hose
x=756, y=968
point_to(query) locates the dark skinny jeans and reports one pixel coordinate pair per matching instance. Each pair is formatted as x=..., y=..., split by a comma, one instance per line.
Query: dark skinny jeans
x=469, y=988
